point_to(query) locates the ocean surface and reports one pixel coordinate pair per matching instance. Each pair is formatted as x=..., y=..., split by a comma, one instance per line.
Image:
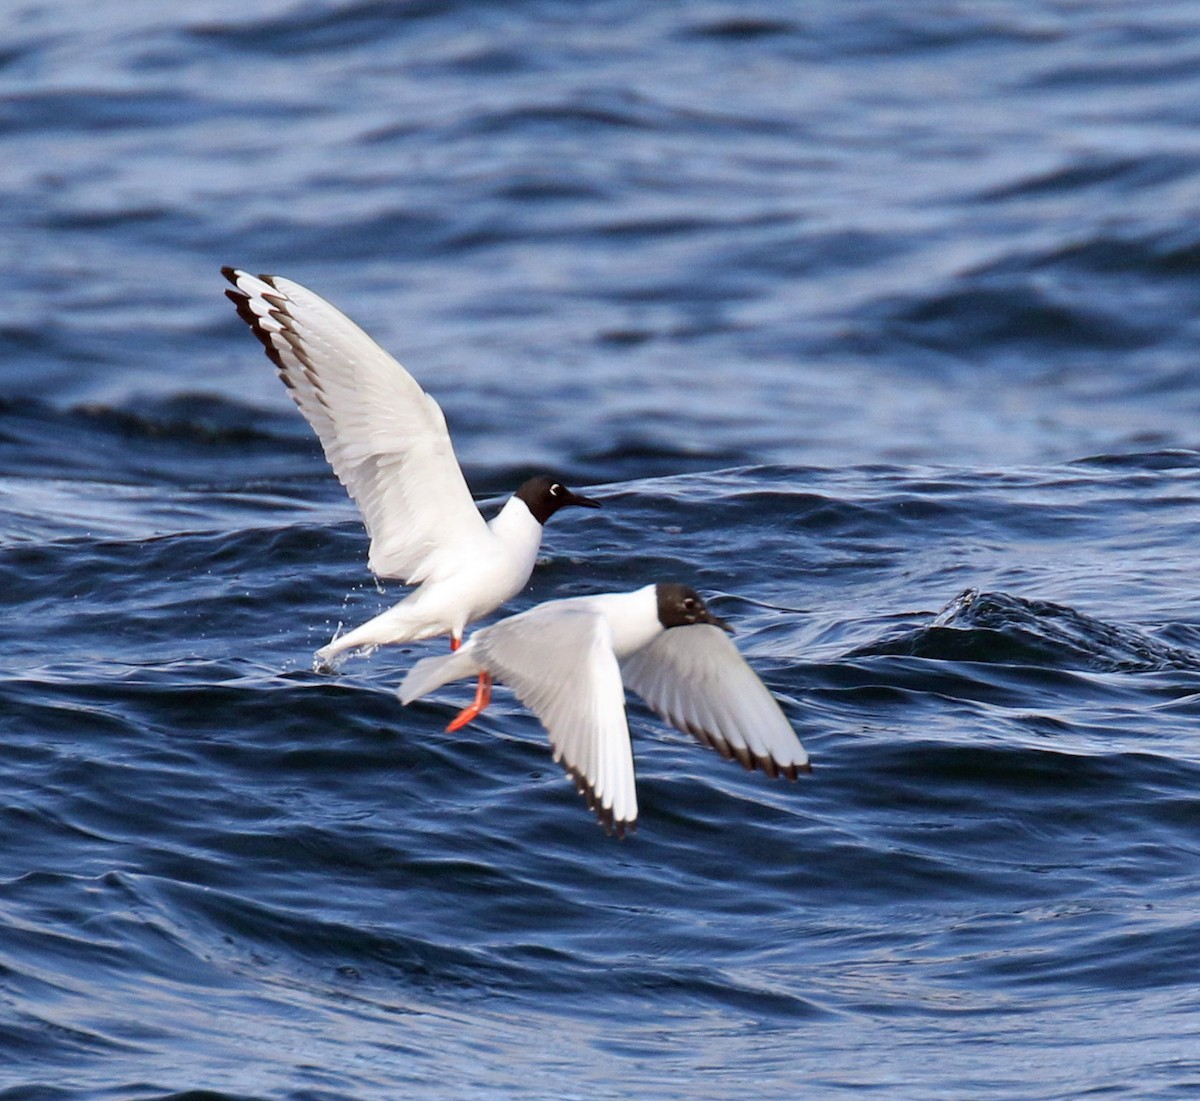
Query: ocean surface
x=876, y=322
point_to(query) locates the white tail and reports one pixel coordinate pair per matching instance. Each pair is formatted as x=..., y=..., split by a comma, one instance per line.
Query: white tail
x=396, y=625
x=431, y=673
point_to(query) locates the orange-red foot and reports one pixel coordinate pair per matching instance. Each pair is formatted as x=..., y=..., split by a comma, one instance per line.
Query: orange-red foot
x=483, y=696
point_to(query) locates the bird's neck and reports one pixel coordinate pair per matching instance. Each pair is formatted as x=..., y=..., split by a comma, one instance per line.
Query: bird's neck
x=516, y=529
x=632, y=617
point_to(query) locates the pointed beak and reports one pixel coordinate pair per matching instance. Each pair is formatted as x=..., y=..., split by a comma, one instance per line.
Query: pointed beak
x=580, y=499
x=717, y=621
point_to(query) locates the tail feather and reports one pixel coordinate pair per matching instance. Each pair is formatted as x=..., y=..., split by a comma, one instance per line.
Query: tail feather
x=431, y=673
x=394, y=626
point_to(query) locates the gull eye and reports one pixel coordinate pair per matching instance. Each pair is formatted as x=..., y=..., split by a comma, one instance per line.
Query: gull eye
x=555, y=490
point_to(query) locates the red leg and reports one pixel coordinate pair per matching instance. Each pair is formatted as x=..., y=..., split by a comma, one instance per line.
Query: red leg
x=455, y=643
x=483, y=696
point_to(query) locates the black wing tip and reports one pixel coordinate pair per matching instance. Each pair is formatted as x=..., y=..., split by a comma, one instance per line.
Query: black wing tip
x=231, y=273
x=241, y=303
x=791, y=771
x=750, y=761
x=604, y=815
x=618, y=828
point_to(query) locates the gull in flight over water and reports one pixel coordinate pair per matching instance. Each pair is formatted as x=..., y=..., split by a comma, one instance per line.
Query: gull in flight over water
x=387, y=442
x=570, y=662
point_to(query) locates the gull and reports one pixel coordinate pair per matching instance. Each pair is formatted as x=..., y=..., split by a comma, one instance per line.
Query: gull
x=388, y=444
x=571, y=660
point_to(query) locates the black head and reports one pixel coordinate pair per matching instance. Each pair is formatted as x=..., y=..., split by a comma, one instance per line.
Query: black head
x=681, y=606
x=544, y=496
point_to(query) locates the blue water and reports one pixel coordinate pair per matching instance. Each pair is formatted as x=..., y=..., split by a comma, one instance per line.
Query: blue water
x=876, y=322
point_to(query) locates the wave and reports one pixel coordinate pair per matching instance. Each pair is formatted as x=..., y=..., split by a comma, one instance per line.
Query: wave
x=999, y=628
x=194, y=417
x=319, y=29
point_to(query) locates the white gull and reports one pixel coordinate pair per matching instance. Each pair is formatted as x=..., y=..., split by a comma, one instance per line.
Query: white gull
x=571, y=660
x=388, y=444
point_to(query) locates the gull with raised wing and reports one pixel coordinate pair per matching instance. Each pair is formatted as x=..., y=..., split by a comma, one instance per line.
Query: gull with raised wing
x=571, y=660
x=387, y=442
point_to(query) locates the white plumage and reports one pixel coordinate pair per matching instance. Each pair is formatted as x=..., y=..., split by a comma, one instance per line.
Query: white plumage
x=570, y=661
x=388, y=444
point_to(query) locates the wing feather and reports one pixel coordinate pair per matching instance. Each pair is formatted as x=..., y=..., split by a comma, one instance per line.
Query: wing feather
x=384, y=436
x=560, y=664
x=695, y=678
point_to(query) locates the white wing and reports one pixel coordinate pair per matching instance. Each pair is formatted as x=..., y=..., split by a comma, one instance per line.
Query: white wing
x=385, y=438
x=695, y=678
x=560, y=664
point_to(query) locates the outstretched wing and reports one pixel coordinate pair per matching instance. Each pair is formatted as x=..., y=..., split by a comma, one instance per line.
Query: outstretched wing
x=696, y=680
x=560, y=664
x=385, y=438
